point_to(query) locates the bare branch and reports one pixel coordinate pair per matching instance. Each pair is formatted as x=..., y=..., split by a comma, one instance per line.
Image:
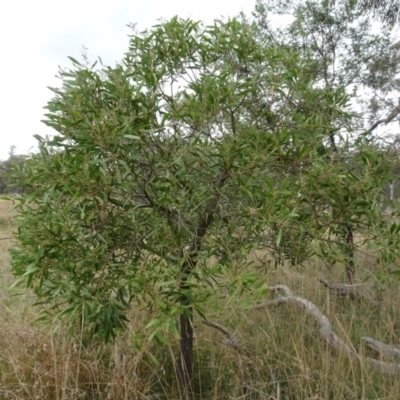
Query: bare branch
x=234, y=343
x=389, y=118
x=330, y=336
x=343, y=289
x=387, y=352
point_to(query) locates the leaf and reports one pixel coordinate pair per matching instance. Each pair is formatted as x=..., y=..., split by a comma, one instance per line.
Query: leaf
x=155, y=321
x=132, y=137
x=153, y=358
x=31, y=268
x=279, y=238
x=74, y=61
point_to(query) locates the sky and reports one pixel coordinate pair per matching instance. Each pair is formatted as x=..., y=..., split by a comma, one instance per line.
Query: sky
x=37, y=36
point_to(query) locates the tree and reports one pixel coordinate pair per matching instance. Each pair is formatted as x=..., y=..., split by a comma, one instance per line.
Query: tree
x=203, y=144
x=343, y=51
x=344, y=47
x=388, y=11
x=9, y=181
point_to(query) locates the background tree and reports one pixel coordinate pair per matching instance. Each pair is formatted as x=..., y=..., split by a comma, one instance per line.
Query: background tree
x=388, y=11
x=9, y=182
x=343, y=51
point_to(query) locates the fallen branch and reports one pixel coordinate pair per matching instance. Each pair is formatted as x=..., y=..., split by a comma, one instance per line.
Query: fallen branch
x=234, y=343
x=343, y=289
x=385, y=351
x=326, y=330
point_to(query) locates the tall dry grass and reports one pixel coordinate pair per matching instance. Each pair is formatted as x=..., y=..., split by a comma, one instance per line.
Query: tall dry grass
x=284, y=355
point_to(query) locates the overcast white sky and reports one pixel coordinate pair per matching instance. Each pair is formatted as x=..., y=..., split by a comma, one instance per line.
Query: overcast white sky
x=37, y=36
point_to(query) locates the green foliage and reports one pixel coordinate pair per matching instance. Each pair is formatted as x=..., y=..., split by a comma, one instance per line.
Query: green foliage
x=204, y=144
x=344, y=45
x=344, y=189
x=159, y=164
x=9, y=177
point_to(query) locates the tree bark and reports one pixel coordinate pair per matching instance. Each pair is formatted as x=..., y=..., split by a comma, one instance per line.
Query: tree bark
x=350, y=267
x=185, y=367
x=186, y=353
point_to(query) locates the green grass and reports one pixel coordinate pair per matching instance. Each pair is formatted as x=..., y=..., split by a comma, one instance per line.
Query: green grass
x=284, y=355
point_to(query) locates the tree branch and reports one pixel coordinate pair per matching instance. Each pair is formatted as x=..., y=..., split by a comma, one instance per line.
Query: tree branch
x=386, y=351
x=233, y=342
x=389, y=118
x=208, y=215
x=326, y=330
x=342, y=289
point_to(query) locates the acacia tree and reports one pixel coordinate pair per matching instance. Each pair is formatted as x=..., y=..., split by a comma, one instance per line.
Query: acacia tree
x=183, y=152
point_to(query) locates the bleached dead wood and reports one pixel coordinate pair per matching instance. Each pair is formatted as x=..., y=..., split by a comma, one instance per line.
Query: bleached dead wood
x=343, y=289
x=233, y=342
x=326, y=330
x=386, y=351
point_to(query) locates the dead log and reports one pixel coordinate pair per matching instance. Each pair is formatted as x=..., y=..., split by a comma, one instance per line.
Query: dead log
x=386, y=352
x=343, y=289
x=326, y=330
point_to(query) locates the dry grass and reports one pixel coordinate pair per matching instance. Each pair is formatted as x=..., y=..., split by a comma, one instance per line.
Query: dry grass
x=285, y=357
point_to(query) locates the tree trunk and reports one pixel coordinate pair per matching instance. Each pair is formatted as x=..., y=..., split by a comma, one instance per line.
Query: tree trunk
x=350, y=267
x=185, y=369
x=186, y=317
x=186, y=354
